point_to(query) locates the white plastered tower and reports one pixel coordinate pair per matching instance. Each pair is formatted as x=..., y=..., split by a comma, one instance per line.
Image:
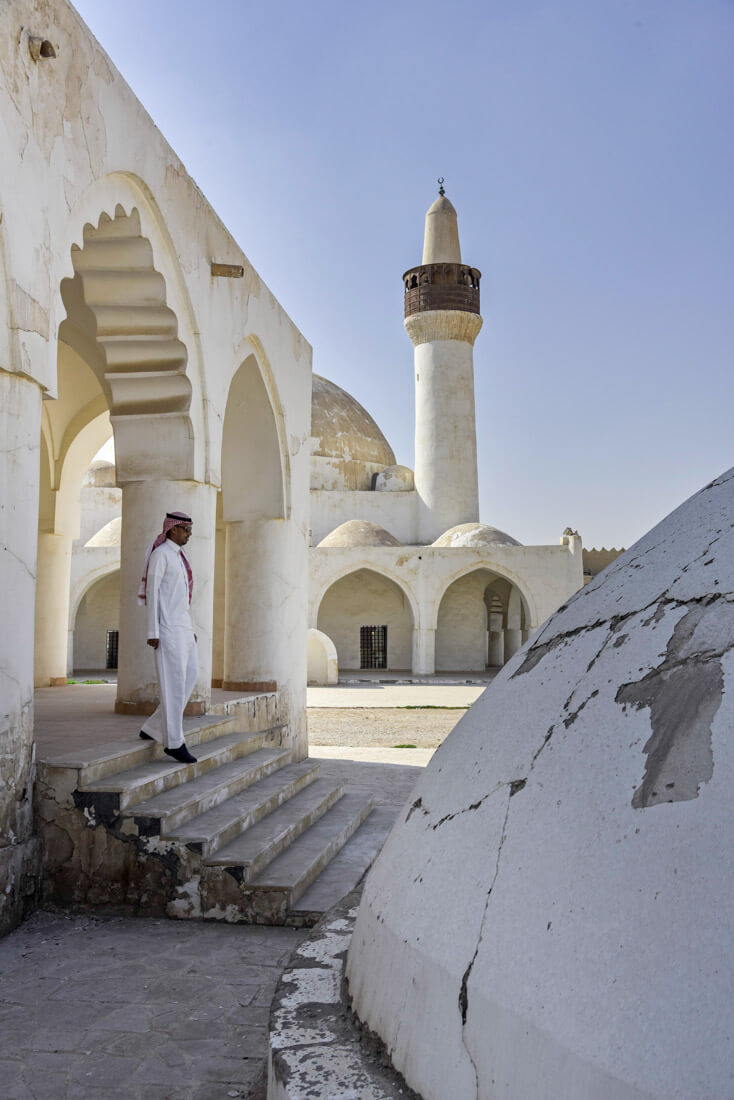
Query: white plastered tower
x=442, y=320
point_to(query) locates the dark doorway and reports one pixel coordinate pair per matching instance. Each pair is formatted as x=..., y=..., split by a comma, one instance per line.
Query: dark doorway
x=113, y=643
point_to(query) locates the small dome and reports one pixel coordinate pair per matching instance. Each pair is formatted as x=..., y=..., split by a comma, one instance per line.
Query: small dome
x=100, y=475
x=395, y=479
x=470, y=535
x=342, y=428
x=359, y=532
x=109, y=535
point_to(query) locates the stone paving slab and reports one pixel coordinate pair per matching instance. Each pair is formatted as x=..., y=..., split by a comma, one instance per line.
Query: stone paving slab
x=135, y=1008
x=141, y=1009
x=79, y=716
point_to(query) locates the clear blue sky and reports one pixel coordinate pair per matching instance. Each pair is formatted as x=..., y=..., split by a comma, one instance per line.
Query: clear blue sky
x=588, y=148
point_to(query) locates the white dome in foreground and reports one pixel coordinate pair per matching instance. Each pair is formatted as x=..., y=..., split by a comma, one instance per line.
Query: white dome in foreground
x=475, y=535
x=551, y=916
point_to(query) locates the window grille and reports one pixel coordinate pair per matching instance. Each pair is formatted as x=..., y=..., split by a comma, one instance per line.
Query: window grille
x=113, y=643
x=373, y=647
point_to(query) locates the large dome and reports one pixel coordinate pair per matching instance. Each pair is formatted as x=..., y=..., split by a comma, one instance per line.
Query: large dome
x=552, y=914
x=342, y=428
x=347, y=447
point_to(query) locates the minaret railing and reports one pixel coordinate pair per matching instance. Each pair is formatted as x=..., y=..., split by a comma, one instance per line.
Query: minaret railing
x=441, y=286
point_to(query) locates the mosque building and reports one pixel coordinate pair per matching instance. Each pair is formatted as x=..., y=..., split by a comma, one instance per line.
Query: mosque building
x=403, y=575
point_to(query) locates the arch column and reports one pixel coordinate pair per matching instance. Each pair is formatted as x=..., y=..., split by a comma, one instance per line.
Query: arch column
x=220, y=597
x=424, y=651
x=496, y=652
x=513, y=630
x=267, y=579
x=144, y=504
x=20, y=433
x=53, y=582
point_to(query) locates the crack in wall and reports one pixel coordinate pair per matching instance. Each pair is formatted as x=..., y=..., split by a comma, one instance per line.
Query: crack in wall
x=463, y=1000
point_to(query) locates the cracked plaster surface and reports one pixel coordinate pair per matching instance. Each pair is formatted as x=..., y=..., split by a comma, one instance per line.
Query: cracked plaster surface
x=317, y=1048
x=555, y=852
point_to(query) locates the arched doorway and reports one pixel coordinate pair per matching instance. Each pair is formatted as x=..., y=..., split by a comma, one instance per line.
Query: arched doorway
x=369, y=619
x=73, y=428
x=97, y=625
x=121, y=330
x=253, y=589
x=482, y=620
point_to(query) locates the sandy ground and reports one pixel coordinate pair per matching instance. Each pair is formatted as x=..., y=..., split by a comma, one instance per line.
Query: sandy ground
x=386, y=727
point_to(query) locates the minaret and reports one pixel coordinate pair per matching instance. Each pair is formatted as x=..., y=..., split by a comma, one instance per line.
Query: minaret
x=442, y=320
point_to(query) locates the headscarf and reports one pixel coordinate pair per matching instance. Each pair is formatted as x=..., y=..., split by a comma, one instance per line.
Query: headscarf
x=172, y=520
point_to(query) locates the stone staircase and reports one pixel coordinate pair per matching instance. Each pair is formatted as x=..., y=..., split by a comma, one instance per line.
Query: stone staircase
x=244, y=834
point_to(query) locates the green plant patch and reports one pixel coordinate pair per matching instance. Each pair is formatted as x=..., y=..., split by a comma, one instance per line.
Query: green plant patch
x=431, y=706
x=405, y=746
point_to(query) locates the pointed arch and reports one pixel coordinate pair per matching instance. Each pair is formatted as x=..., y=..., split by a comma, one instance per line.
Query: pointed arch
x=374, y=567
x=492, y=567
x=369, y=617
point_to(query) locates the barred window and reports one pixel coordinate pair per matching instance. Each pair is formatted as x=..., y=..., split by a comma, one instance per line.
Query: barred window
x=373, y=647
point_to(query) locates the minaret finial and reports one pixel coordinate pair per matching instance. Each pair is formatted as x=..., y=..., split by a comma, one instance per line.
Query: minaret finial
x=440, y=186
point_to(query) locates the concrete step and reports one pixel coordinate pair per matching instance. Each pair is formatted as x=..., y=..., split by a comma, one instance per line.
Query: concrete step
x=254, y=849
x=113, y=757
x=166, y=813
x=345, y=871
x=293, y=871
x=161, y=773
x=213, y=830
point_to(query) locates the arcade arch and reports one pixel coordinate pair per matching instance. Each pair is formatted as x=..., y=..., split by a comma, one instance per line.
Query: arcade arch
x=252, y=583
x=483, y=619
x=361, y=599
x=121, y=368
x=97, y=613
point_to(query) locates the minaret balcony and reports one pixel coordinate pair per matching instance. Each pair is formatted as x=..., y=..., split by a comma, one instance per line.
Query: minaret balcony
x=441, y=286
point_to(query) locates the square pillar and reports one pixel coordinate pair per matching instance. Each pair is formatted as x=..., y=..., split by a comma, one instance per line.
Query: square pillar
x=424, y=651
x=53, y=582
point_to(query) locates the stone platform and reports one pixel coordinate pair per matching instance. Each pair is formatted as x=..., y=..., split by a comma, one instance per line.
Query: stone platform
x=247, y=833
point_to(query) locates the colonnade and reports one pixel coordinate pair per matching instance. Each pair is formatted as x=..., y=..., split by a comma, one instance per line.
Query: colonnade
x=242, y=572
x=474, y=648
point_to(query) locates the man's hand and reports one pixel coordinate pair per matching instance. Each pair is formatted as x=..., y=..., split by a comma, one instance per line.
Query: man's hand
x=153, y=643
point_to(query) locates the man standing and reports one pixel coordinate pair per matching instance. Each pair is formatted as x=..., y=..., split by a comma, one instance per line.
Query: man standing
x=165, y=591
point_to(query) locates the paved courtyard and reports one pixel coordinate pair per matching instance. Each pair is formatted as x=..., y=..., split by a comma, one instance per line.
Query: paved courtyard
x=136, y=1009
x=141, y=1009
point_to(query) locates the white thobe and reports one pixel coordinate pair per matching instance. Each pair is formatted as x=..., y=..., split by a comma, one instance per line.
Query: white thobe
x=176, y=659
